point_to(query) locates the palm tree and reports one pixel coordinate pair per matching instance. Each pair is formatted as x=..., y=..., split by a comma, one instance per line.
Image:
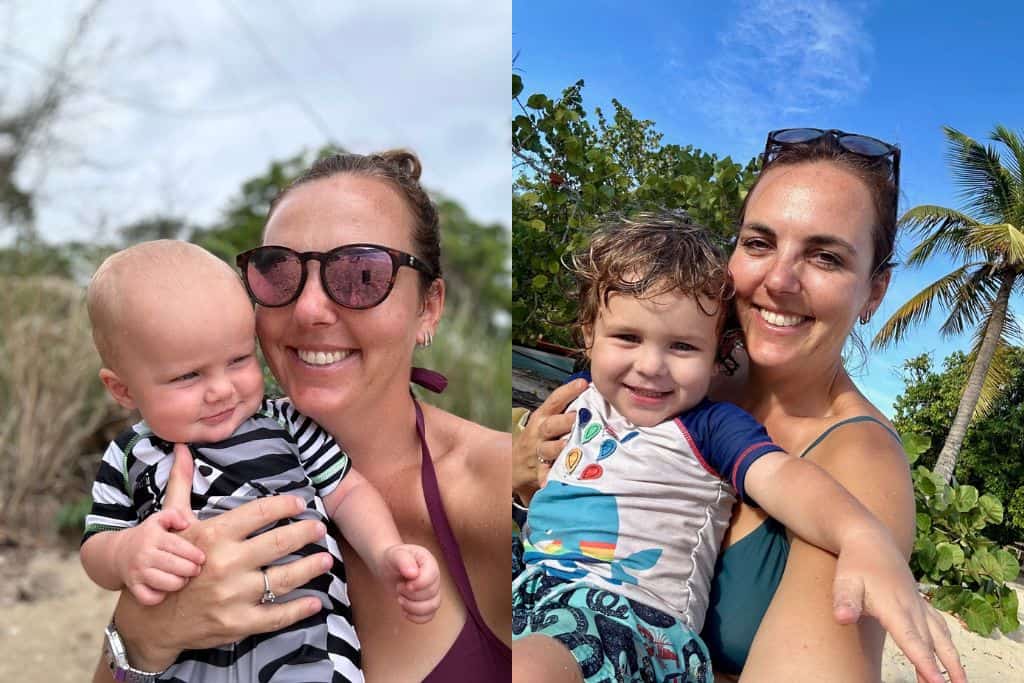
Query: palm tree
x=990, y=244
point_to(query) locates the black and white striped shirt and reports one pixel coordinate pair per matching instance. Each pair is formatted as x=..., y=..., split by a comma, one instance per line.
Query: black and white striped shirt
x=278, y=450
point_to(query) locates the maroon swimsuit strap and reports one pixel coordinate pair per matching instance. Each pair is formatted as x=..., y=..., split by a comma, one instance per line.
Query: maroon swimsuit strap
x=479, y=656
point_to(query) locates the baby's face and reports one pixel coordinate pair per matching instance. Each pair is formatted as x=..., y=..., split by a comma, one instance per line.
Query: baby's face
x=193, y=373
x=653, y=358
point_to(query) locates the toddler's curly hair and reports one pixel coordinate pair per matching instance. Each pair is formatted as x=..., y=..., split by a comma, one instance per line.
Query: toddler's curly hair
x=646, y=255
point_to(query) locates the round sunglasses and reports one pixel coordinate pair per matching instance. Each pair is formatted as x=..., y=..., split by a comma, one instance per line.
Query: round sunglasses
x=357, y=276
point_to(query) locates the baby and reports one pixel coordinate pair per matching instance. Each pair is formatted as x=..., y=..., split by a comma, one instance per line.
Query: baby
x=620, y=543
x=176, y=334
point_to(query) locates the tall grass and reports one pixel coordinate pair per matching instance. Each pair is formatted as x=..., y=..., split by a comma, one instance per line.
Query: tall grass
x=51, y=401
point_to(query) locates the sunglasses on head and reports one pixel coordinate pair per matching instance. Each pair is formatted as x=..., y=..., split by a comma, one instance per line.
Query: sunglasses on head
x=861, y=145
x=354, y=276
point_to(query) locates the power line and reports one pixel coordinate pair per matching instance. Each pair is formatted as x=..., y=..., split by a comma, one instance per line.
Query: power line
x=257, y=42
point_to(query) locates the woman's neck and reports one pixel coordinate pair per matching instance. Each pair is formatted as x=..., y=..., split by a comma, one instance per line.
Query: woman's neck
x=379, y=436
x=793, y=392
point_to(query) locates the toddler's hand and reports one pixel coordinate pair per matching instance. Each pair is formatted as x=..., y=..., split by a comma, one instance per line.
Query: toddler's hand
x=153, y=561
x=418, y=581
x=873, y=574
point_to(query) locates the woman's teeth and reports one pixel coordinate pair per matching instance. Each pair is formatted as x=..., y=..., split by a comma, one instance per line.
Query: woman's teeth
x=321, y=357
x=780, y=320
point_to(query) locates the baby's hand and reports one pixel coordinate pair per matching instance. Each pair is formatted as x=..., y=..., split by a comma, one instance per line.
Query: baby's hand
x=418, y=581
x=153, y=561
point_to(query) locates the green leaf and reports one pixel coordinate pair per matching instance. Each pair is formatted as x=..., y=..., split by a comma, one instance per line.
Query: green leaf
x=537, y=224
x=990, y=565
x=1007, y=609
x=925, y=482
x=947, y=556
x=992, y=508
x=517, y=85
x=950, y=598
x=914, y=445
x=924, y=522
x=966, y=497
x=537, y=101
x=539, y=281
x=980, y=616
x=1009, y=566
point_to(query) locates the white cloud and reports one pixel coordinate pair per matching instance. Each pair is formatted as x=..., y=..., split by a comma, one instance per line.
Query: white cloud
x=199, y=96
x=780, y=62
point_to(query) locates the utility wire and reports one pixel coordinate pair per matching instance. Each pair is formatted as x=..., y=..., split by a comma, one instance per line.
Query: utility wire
x=258, y=43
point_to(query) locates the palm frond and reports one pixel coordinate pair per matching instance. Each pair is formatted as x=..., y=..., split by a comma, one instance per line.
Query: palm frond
x=1012, y=141
x=943, y=229
x=971, y=301
x=1001, y=239
x=985, y=185
x=919, y=307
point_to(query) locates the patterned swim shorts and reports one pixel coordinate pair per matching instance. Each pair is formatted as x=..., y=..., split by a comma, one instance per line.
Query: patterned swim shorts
x=611, y=637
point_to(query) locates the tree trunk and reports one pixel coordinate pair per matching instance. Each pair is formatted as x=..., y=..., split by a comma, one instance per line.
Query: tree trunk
x=946, y=463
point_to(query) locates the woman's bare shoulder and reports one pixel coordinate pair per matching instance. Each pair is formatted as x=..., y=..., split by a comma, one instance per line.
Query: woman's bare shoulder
x=474, y=470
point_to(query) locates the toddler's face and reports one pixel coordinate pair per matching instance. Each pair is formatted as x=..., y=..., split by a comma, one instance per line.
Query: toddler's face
x=653, y=358
x=194, y=374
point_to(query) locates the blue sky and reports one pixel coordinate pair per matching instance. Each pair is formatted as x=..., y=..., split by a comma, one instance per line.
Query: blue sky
x=720, y=75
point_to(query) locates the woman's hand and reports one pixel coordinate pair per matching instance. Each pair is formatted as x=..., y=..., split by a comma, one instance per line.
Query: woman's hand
x=541, y=439
x=222, y=604
x=872, y=576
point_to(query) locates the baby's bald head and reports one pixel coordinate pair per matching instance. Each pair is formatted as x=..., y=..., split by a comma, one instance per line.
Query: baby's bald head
x=157, y=284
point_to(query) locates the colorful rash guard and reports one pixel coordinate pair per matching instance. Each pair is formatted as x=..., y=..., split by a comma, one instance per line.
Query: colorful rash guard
x=276, y=451
x=641, y=511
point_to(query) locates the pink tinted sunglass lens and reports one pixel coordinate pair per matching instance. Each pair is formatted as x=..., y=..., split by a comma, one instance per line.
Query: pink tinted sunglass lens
x=274, y=276
x=360, y=279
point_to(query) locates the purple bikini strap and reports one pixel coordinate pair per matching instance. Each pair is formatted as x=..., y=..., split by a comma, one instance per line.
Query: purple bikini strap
x=442, y=529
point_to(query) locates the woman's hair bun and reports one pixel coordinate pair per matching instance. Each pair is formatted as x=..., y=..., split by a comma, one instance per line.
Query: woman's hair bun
x=407, y=163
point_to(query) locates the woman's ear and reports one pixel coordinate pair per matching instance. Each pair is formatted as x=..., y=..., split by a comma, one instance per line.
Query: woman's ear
x=879, y=286
x=117, y=388
x=433, y=308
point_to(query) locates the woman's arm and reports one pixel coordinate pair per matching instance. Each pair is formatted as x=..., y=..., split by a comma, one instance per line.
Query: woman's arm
x=798, y=639
x=222, y=603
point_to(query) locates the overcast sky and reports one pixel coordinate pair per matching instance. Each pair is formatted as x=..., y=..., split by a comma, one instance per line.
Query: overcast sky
x=178, y=101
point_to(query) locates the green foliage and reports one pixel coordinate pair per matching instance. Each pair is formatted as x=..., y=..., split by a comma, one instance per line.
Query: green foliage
x=950, y=551
x=572, y=172
x=70, y=519
x=989, y=459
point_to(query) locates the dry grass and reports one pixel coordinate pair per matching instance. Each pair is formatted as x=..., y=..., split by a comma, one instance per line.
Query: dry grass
x=52, y=401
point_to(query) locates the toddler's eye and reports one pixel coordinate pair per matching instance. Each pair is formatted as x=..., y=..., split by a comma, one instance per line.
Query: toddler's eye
x=683, y=346
x=241, y=359
x=628, y=338
x=186, y=377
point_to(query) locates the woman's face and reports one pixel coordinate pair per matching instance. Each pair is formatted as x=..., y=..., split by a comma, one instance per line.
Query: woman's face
x=802, y=265
x=326, y=357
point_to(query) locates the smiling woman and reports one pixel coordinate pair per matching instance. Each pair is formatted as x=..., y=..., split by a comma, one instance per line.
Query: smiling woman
x=339, y=317
x=812, y=258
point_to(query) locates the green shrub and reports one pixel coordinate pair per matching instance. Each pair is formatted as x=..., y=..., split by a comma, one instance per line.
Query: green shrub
x=970, y=571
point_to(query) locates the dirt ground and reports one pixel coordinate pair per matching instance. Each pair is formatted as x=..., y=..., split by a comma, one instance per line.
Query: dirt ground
x=53, y=619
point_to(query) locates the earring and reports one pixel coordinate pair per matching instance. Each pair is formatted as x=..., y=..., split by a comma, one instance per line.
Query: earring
x=865, y=319
x=427, y=341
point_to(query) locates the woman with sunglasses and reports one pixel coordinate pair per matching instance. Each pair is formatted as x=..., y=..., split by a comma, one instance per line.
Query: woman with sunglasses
x=347, y=285
x=812, y=259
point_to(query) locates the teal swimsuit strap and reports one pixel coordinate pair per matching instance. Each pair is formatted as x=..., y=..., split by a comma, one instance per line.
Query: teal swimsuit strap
x=858, y=418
